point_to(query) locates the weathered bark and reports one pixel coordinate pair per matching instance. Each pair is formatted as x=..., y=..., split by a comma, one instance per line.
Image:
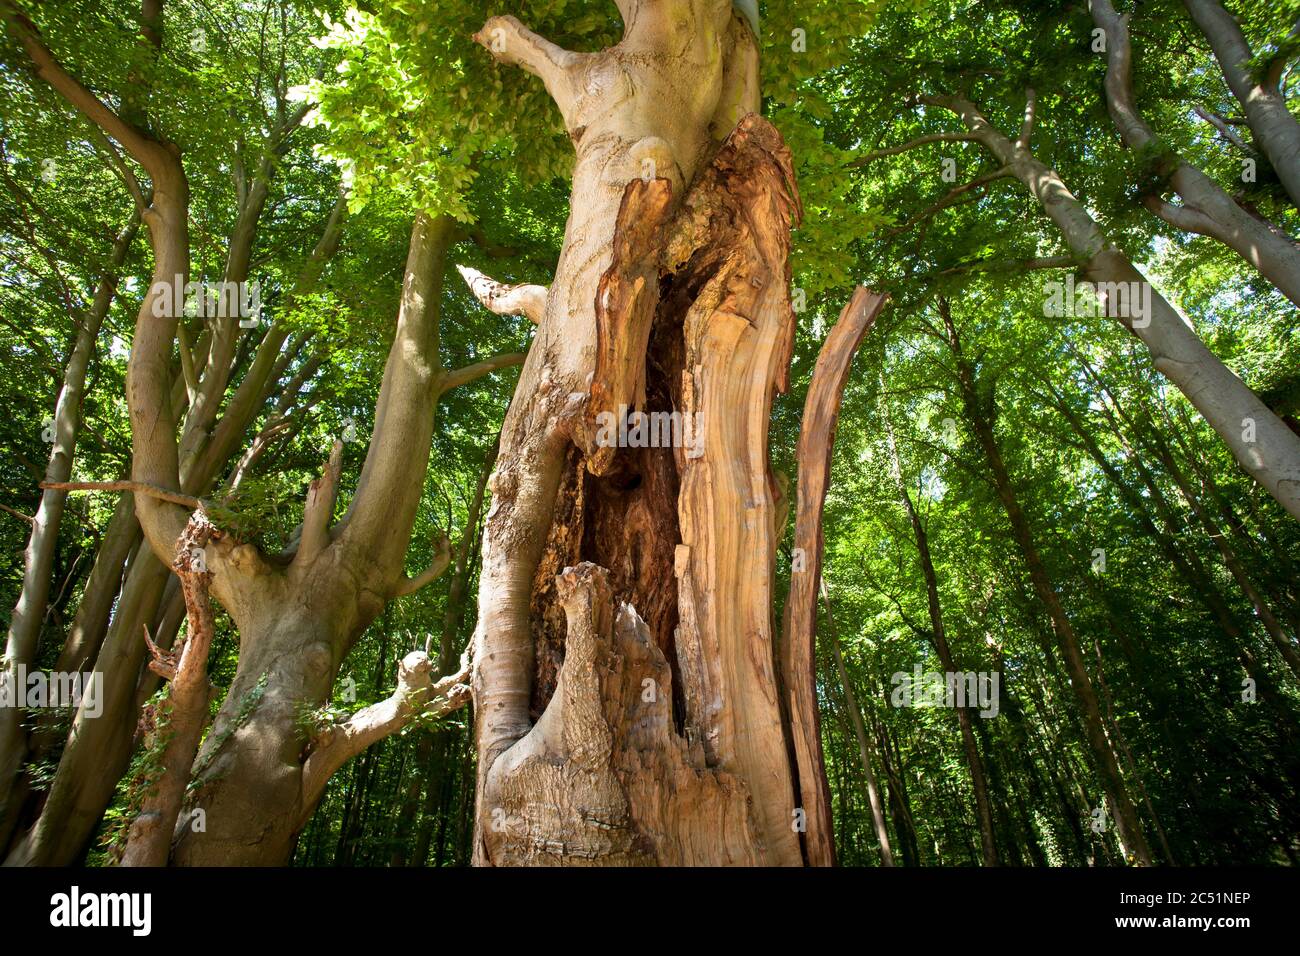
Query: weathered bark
x=665, y=298
x=821, y=414
x=1272, y=125
x=525, y=300
x=183, y=713
x=1271, y=455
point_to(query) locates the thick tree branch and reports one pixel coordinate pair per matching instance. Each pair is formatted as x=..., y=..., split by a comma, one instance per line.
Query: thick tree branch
x=526, y=300
x=509, y=41
x=468, y=373
x=1133, y=129
x=441, y=560
x=149, y=153
x=320, y=508
x=416, y=695
x=1274, y=129
x=389, y=487
x=1183, y=217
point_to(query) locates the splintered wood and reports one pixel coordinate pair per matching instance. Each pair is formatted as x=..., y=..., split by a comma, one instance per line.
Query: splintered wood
x=659, y=733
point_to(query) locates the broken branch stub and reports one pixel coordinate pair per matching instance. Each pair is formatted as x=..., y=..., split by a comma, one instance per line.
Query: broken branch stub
x=185, y=708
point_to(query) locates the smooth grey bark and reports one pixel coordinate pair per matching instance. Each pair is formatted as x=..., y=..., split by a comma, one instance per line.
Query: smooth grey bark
x=1259, y=440
x=1273, y=126
x=42, y=545
x=1207, y=209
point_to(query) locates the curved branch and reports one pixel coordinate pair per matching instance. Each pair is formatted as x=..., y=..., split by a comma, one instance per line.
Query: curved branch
x=799, y=656
x=1225, y=129
x=526, y=300
x=509, y=41
x=416, y=695
x=441, y=560
x=147, y=151
x=1133, y=129
x=468, y=373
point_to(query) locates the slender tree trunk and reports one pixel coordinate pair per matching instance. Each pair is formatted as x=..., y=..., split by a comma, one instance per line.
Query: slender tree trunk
x=899, y=802
x=454, y=614
x=296, y=623
x=29, y=612
x=938, y=634
x=99, y=751
x=1205, y=586
x=1121, y=742
x=865, y=747
x=1188, y=566
x=978, y=412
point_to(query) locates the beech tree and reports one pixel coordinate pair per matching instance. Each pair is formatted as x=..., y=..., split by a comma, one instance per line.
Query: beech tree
x=794, y=420
x=665, y=298
x=288, y=658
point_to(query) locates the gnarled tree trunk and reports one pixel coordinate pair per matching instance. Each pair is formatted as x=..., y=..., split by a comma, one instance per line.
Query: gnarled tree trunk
x=628, y=699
